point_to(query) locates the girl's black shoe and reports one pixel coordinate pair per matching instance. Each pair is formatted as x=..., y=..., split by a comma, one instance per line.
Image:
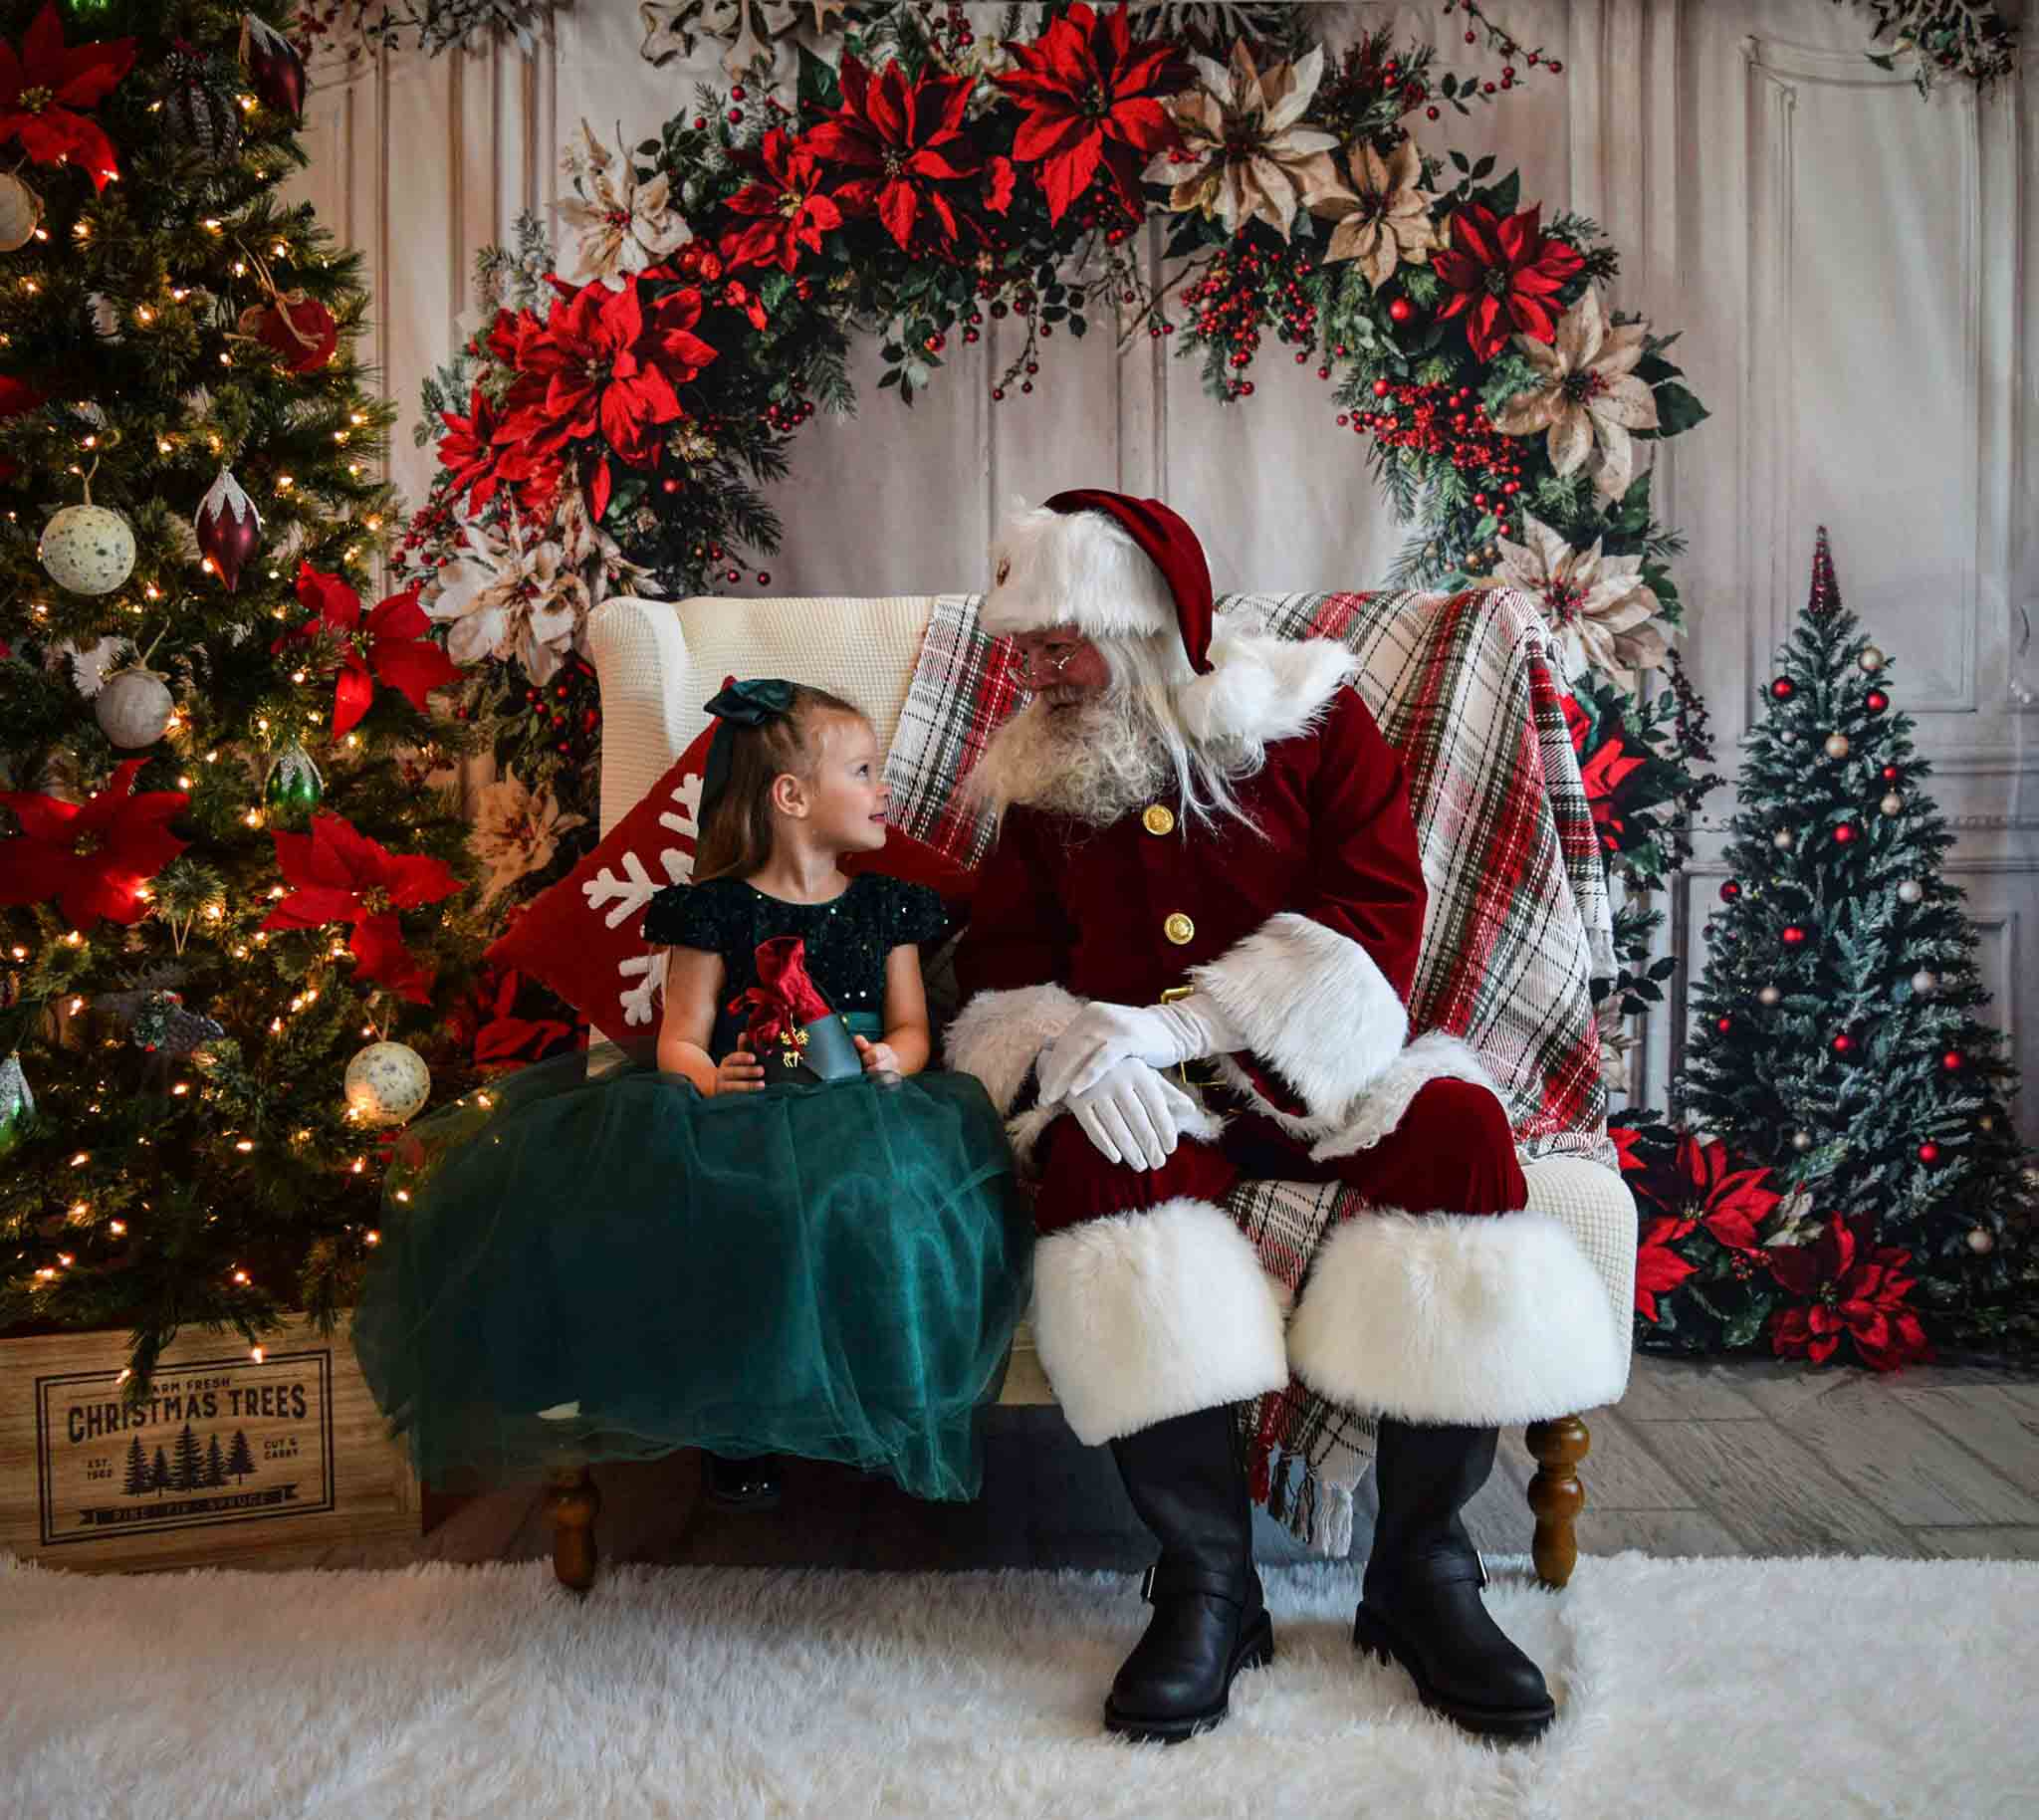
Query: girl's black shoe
x=740, y=1484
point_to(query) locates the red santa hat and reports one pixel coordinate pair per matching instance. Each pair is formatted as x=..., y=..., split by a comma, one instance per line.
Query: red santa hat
x=1106, y=563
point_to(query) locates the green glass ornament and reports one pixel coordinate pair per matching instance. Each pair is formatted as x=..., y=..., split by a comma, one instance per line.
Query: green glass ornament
x=292, y=789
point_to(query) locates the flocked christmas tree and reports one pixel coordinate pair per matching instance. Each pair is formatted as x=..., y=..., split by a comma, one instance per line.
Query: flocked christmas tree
x=221, y=872
x=1837, y=1038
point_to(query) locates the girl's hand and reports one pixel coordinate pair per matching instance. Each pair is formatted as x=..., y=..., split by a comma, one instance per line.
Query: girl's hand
x=878, y=1057
x=740, y=1072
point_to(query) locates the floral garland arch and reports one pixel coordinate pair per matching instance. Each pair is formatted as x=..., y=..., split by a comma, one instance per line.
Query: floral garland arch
x=607, y=430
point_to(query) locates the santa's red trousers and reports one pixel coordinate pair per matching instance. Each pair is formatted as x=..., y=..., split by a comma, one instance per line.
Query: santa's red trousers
x=1452, y=1153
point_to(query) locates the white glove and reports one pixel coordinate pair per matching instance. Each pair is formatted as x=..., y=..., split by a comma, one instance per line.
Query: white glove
x=1161, y=1035
x=1132, y=1114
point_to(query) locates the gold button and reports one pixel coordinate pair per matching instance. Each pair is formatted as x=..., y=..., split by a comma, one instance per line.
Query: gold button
x=1179, y=929
x=1159, y=820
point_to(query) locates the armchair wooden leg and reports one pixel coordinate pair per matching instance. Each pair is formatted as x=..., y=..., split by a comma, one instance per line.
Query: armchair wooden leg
x=1557, y=1495
x=573, y=1500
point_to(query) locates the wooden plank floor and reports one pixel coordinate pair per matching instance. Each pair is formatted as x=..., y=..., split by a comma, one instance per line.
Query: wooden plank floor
x=1698, y=1459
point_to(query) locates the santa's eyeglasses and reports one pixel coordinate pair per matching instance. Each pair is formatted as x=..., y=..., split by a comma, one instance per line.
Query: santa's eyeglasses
x=1032, y=656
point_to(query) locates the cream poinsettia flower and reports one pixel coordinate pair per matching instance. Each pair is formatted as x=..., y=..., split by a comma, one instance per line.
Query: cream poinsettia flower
x=1385, y=220
x=597, y=558
x=624, y=225
x=1243, y=154
x=516, y=831
x=1586, y=392
x=508, y=599
x=1600, y=609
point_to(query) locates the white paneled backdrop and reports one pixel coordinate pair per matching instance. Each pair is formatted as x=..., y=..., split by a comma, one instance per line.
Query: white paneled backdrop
x=1853, y=270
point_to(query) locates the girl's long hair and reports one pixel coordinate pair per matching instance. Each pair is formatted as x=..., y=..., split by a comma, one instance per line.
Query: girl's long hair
x=736, y=832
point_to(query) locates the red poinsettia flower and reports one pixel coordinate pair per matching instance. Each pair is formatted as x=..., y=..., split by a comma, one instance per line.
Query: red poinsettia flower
x=1700, y=1186
x=786, y=199
x=1602, y=774
x=889, y=133
x=44, y=87
x=501, y=1040
x=1625, y=1141
x=339, y=876
x=1093, y=100
x=90, y=858
x=1503, y=276
x=1851, y=1289
x=1659, y=1268
x=390, y=646
x=468, y=450
x=605, y=361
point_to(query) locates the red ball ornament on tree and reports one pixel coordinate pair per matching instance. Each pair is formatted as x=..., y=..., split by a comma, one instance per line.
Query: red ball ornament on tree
x=1401, y=310
x=1730, y=891
x=1843, y=1044
x=299, y=328
x=274, y=66
x=1793, y=935
x=1952, y=1061
x=1724, y=1025
x=1784, y=688
x=1876, y=701
x=1929, y=1152
x=1889, y=773
x=1845, y=832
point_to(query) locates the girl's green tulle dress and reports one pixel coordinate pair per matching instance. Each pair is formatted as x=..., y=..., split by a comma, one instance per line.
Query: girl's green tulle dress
x=591, y=1260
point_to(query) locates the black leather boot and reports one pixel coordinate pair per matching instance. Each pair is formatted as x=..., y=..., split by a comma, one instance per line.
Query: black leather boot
x=1189, y=1485
x=1420, y=1602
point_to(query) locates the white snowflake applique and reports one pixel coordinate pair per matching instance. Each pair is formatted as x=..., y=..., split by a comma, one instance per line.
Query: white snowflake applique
x=627, y=897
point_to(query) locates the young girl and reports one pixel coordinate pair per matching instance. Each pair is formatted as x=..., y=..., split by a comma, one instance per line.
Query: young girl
x=674, y=1252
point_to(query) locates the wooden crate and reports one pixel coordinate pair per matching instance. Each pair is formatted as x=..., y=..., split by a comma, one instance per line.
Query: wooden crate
x=233, y=1461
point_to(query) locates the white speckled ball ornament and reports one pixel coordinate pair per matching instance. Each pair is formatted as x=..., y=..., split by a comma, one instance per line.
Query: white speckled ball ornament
x=1837, y=745
x=87, y=549
x=133, y=707
x=1981, y=1240
x=1892, y=803
x=387, y=1083
x=1870, y=659
x=1924, y=981
x=20, y=209
x=1910, y=891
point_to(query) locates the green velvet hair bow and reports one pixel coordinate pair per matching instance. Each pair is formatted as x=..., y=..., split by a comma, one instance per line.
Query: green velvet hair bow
x=750, y=703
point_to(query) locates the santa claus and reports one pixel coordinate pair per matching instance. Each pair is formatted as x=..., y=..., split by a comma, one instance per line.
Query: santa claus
x=1207, y=863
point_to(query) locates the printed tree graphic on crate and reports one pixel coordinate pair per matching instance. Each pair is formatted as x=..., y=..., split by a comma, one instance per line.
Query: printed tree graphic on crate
x=189, y=1470
x=159, y=1473
x=136, y=1484
x=240, y=1461
x=215, y=1464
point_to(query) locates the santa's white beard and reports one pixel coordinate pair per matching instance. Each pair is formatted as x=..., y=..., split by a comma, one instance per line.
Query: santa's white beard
x=1094, y=760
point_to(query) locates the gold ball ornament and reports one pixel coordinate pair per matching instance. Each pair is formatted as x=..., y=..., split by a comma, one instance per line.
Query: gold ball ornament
x=87, y=549
x=387, y=1083
x=1768, y=996
x=1870, y=659
x=1783, y=840
x=1801, y=1140
x=20, y=209
x=1891, y=804
x=2029, y=1176
x=1981, y=1240
x=1837, y=745
x=1910, y=891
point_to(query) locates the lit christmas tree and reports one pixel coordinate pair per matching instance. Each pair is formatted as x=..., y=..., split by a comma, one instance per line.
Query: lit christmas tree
x=1849, y=1174
x=221, y=872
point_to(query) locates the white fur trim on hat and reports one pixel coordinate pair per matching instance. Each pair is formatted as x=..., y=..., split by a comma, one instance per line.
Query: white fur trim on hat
x=1484, y=1319
x=1076, y=569
x=1260, y=686
x=1314, y=1006
x=1142, y=1316
x=999, y=1035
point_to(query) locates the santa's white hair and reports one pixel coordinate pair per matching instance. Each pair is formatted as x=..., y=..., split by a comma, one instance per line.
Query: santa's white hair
x=1098, y=754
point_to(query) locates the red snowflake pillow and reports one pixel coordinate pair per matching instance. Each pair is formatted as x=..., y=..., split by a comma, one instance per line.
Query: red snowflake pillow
x=584, y=936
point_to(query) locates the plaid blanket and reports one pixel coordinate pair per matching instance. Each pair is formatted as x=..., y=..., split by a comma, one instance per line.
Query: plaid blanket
x=1466, y=688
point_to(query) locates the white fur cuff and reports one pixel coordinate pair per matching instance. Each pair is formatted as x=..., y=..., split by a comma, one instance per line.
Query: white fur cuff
x=1142, y=1316
x=999, y=1035
x=1314, y=1004
x=1483, y=1320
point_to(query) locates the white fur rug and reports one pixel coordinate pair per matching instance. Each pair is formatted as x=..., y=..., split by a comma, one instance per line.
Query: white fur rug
x=1715, y=1689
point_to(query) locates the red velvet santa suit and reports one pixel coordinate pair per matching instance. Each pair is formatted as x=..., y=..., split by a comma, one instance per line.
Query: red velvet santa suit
x=1149, y=1302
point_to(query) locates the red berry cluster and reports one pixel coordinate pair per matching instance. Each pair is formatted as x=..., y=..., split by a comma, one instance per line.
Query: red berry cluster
x=1241, y=290
x=1447, y=421
x=571, y=724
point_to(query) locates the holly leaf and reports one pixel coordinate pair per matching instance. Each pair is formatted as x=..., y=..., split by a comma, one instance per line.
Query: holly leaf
x=818, y=87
